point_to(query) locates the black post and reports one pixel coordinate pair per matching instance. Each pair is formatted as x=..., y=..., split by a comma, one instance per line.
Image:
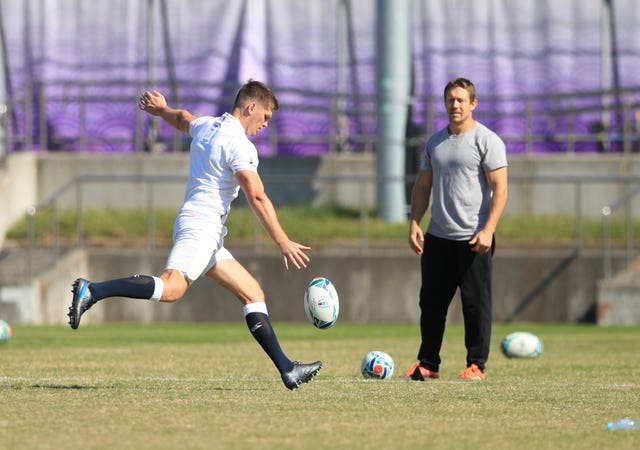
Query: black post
x=615, y=72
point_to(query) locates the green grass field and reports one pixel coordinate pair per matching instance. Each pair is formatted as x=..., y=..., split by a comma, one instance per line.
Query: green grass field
x=209, y=386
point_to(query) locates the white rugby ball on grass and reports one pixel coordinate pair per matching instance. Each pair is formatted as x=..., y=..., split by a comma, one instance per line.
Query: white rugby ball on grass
x=377, y=365
x=321, y=303
x=521, y=344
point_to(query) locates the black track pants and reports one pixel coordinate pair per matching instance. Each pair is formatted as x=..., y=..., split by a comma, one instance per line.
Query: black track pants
x=447, y=265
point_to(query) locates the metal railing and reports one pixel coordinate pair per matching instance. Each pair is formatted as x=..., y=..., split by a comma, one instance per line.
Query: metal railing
x=77, y=184
x=555, y=122
x=364, y=185
x=51, y=203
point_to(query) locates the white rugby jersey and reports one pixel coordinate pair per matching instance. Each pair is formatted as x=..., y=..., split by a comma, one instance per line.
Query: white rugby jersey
x=219, y=149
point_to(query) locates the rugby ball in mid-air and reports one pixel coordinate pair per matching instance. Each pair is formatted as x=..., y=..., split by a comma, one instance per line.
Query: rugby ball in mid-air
x=377, y=365
x=321, y=303
x=521, y=344
x=5, y=331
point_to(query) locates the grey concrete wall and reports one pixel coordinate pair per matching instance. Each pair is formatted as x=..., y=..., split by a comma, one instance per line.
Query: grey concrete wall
x=560, y=197
x=54, y=289
x=366, y=290
x=374, y=286
x=18, y=189
x=56, y=169
x=300, y=180
x=46, y=299
x=377, y=286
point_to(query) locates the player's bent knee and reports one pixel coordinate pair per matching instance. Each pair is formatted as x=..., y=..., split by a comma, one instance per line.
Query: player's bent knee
x=171, y=297
x=175, y=286
x=173, y=292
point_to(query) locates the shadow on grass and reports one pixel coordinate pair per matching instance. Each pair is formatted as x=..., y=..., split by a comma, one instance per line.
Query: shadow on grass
x=65, y=386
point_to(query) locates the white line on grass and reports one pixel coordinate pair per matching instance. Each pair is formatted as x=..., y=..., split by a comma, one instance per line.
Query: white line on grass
x=320, y=379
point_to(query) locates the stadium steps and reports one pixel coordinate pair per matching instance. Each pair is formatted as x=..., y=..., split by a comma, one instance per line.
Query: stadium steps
x=619, y=297
x=13, y=264
x=43, y=299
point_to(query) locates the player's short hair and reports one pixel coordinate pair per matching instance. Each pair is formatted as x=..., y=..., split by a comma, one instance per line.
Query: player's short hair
x=257, y=91
x=462, y=83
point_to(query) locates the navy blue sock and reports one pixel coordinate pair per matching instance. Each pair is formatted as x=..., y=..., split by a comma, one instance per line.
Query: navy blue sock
x=260, y=326
x=136, y=286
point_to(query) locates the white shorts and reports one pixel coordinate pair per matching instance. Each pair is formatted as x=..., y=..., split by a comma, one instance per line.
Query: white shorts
x=198, y=244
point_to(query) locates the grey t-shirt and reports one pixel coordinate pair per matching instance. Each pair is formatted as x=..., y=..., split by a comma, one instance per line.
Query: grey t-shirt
x=461, y=196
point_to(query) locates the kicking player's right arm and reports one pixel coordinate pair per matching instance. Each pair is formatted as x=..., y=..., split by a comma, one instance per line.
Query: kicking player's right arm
x=253, y=188
x=155, y=104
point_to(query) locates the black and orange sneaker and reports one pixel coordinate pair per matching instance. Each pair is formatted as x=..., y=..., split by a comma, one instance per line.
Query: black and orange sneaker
x=418, y=373
x=473, y=373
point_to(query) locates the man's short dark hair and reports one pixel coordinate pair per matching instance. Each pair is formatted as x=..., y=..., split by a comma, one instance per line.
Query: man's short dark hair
x=257, y=91
x=462, y=83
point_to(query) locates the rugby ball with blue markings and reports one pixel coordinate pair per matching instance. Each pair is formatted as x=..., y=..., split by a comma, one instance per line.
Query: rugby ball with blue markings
x=321, y=303
x=377, y=365
x=521, y=344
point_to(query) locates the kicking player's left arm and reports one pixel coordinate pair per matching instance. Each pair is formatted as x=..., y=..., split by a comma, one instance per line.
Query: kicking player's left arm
x=253, y=189
x=155, y=104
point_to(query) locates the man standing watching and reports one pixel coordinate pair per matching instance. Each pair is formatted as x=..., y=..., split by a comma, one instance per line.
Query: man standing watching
x=464, y=170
